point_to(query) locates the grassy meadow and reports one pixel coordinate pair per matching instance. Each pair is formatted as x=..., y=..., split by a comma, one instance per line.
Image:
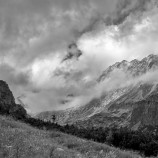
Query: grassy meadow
x=19, y=140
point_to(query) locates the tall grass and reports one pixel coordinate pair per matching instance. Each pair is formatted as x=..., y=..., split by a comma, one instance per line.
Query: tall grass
x=19, y=140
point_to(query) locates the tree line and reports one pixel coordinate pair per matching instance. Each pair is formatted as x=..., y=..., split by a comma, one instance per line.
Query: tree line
x=144, y=140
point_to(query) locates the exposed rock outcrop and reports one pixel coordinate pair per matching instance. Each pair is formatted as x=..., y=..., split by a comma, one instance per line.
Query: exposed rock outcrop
x=7, y=103
x=133, y=105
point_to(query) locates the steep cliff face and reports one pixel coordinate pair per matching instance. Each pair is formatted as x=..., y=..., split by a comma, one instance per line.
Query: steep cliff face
x=6, y=96
x=132, y=105
x=7, y=102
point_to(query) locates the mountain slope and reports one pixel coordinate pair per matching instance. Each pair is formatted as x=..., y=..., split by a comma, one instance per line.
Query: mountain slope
x=18, y=139
x=126, y=105
x=7, y=102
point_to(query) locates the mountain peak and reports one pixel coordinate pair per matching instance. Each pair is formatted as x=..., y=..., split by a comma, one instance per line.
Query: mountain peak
x=152, y=56
x=129, y=106
x=134, y=67
x=135, y=61
x=7, y=102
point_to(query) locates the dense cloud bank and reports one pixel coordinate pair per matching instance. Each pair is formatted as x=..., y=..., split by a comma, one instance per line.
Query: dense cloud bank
x=52, y=51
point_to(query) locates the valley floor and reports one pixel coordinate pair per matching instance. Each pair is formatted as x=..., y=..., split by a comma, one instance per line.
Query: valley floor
x=19, y=140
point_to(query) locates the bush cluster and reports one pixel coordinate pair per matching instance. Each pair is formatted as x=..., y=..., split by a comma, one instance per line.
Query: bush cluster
x=144, y=140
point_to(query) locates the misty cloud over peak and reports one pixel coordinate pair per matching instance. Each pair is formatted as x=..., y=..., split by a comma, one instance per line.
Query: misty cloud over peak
x=40, y=61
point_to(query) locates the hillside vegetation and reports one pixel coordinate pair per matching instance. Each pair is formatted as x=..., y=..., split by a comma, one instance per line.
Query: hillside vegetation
x=19, y=140
x=34, y=138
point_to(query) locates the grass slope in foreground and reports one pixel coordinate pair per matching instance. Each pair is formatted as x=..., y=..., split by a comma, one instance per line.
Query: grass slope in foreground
x=19, y=140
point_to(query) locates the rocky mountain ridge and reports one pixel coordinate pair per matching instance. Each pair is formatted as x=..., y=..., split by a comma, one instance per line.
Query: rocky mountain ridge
x=134, y=68
x=7, y=102
x=124, y=106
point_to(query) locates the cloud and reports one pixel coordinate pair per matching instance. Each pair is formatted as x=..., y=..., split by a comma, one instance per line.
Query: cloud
x=12, y=76
x=31, y=29
x=125, y=8
x=35, y=36
x=73, y=52
x=18, y=81
x=35, y=28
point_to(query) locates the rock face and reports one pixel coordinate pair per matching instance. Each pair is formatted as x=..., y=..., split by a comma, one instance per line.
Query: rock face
x=134, y=68
x=7, y=102
x=133, y=105
x=6, y=96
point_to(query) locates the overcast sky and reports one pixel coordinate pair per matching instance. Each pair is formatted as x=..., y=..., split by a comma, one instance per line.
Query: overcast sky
x=35, y=38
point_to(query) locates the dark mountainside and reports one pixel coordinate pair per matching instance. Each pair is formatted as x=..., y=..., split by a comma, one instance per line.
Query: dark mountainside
x=131, y=106
x=7, y=103
x=143, y=141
